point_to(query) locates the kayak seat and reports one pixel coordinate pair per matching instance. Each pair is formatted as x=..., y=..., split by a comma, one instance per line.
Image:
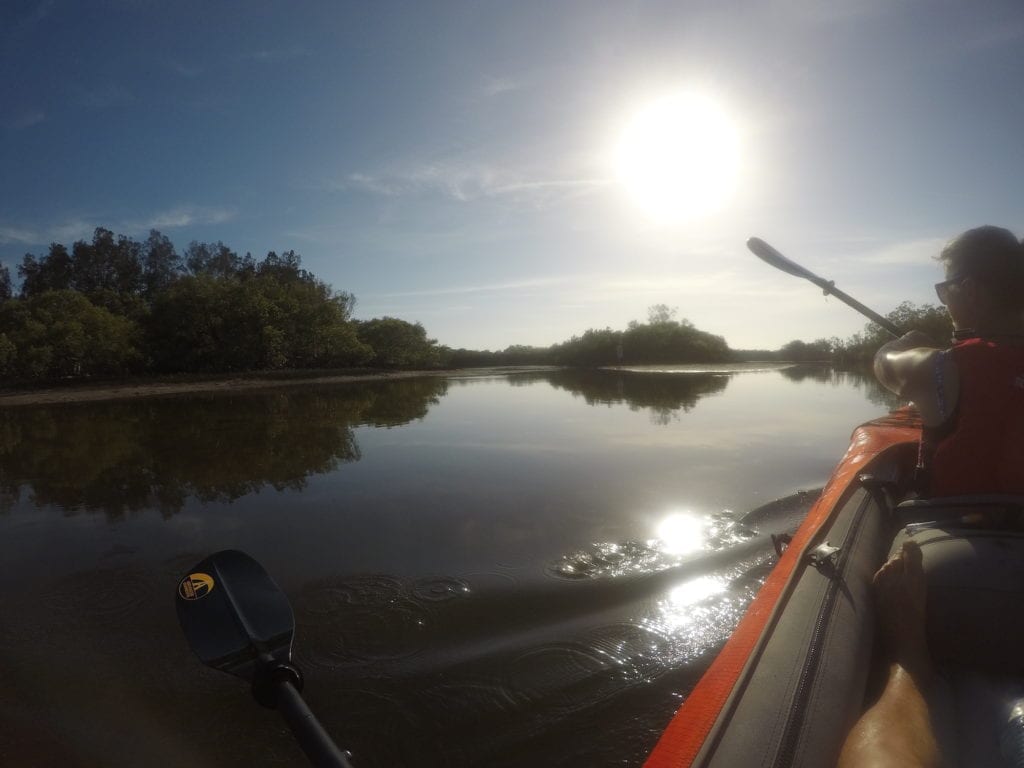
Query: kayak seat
x=981, y=510
x=975, y=594
x=975, y=627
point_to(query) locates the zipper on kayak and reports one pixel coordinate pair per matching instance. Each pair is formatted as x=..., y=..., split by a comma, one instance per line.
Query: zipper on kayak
x=801, y=698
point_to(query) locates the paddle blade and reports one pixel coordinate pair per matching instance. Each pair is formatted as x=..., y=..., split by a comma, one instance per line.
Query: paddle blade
x=233, y=614
x=767, y=253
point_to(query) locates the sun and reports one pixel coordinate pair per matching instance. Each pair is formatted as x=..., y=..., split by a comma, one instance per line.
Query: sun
x=678, y=157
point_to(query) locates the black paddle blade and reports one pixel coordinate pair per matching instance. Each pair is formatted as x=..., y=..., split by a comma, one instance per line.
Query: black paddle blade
x=233, y=614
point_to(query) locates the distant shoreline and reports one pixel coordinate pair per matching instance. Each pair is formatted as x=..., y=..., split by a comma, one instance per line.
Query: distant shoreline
x=186, y=384
x=130, y=390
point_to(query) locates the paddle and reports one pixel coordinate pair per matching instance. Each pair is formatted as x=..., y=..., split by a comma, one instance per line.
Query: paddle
x=237, y=620
x=766, y=253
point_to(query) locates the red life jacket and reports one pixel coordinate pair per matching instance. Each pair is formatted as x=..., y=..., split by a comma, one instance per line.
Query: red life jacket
x=980, y=449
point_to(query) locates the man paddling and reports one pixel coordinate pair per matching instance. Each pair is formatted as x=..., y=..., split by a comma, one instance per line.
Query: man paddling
x=971, y=399
x=971, y=396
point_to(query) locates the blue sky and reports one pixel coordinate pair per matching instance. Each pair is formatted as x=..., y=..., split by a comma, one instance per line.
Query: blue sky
x=450, y=163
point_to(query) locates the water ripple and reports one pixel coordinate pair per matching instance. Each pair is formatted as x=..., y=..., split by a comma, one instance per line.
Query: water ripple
x=437, y=589
x=98, y=597
x=371, y=618
x=562, y=676
x=711, y=533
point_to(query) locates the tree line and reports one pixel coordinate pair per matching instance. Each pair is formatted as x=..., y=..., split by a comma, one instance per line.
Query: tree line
x=858, y=350
x=117, y=306
x=664, y=340
x=661, y=340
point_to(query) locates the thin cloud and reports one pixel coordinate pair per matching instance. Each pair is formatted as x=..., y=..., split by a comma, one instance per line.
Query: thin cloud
x=588, y=290
x=495, y=86
x=378, y=185
x=40, y=12
x=994, y=37
x=549, y=184
x=18, y=235
x=185, y=70
x=24, y=120
x=829, y=12
x=101, y=96
x=515, y=285
x=182, y=217
x=276, y=54
x=909, y=253
x=82, y=227
x=34, y=16
x=262, y=56
x=368, y=310
x=464, y=183
x=604, y=290
x=71, y=229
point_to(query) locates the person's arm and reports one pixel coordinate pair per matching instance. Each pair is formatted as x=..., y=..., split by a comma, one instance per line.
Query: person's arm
x=907, y=366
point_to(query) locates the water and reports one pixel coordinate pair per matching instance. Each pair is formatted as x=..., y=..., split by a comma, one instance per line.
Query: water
x=522, y=569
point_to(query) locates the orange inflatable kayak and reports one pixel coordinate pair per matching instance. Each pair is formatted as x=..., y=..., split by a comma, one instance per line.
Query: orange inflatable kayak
x=793, y=677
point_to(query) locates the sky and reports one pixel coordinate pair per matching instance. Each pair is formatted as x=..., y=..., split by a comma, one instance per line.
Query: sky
x=454, y=163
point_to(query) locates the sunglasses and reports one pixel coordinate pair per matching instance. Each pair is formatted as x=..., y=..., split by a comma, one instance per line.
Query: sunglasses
x=942, y=289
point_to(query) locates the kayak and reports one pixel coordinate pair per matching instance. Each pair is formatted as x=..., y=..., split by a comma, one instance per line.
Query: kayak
x=797, y=672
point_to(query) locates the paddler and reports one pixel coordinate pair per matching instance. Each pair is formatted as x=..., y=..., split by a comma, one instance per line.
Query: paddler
x=971, y=400
x=971, y=395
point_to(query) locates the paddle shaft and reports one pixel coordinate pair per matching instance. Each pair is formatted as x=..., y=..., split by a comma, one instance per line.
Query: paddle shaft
x=869, y=313
x=771, y=256
x=314, y=740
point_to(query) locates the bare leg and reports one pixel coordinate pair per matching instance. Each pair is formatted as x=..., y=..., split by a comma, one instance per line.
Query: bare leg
x=897, y=730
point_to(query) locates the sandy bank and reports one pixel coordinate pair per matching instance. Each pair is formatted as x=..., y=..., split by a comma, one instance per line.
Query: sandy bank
x=80, y=393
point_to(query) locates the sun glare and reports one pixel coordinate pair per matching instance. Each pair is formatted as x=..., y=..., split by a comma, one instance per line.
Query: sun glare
x=680, y=533
x=678, y=157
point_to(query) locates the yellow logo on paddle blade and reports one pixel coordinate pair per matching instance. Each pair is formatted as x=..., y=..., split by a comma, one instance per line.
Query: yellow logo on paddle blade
x=195, y=585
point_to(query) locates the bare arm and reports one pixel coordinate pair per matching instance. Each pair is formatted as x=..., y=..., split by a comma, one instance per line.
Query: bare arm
x=906, y=366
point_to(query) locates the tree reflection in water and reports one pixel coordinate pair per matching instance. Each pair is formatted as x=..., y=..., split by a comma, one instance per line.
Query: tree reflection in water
x=826, y=374
x=123, y=457
x=663, y=394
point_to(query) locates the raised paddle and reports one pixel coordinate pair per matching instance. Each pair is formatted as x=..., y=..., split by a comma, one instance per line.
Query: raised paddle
x=238, y=620
x=766, y=253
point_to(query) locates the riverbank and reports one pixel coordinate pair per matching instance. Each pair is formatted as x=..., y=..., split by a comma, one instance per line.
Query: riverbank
x=80, y=392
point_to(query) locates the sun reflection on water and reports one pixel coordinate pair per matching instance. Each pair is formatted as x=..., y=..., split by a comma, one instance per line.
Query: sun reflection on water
x=681, y=533
x=680, y=536
x=695, y=577
x=686, y=588
x=678, y=610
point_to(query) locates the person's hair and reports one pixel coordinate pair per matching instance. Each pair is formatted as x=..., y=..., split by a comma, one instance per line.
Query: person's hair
x=995, y=258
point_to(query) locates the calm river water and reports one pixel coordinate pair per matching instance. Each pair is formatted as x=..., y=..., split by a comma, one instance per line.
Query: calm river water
x=522, y=569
